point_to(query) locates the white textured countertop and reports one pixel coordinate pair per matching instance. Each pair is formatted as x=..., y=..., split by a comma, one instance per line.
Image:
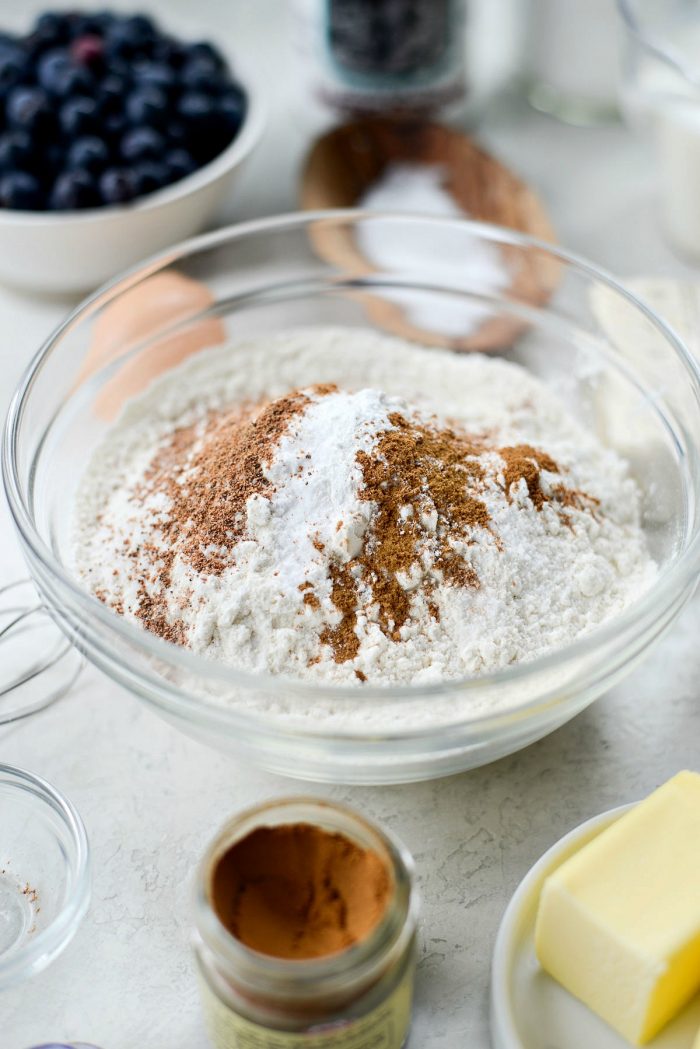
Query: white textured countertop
x=151, y=798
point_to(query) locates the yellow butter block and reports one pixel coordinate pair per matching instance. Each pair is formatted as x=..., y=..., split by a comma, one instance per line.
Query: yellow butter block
x=619, y=922
x=696, y=1043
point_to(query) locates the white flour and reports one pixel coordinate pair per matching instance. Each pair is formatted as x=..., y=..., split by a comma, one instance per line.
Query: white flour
x=543, y=585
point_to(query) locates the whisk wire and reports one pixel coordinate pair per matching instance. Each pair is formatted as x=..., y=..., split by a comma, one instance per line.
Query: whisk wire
x=33, y=667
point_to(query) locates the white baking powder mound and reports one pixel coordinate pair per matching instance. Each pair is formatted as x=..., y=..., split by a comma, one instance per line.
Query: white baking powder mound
x=464, y=264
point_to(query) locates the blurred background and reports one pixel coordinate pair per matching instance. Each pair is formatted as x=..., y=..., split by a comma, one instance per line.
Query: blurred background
x=550, y=86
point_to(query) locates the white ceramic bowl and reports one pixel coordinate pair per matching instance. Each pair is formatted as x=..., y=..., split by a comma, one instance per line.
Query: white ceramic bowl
x=62, y=252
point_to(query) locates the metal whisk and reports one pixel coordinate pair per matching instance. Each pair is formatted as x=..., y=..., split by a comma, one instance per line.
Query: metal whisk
x=37, y=663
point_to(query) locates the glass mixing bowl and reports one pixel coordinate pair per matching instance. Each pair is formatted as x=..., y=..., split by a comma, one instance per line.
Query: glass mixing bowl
x=569, y=324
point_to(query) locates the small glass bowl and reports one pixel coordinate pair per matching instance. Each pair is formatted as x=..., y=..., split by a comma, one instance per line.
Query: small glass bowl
x=44, y=874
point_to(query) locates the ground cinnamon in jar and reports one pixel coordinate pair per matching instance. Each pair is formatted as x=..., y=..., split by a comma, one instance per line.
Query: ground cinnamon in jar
x=299, y=891
x=305, y=930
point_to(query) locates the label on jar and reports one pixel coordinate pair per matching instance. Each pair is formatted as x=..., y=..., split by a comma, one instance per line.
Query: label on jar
x=385, y=1027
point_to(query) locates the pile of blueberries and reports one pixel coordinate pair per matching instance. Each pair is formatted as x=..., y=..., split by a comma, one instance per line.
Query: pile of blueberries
x=103, y=108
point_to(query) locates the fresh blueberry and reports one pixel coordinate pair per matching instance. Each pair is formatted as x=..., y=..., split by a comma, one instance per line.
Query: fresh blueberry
x=8, y=42
x=88, y=50
x=53, y=24
x=40, y=41
x=149, y=176
x=147, y=105
x=118, y=44
x=114, y=127
x=89, y=153
x=73, y=190
x=117, y=186
x=19, y=189
x=155, y=74
x=16, y=151
x=121, y=67
x=170, y=52
x=52, y=68
x=111, y=91
x=206, y=136
x=195, y=109
x=98, y=22
x=73, y=80
x=179, y=164
x=128, y=37
x=176, y=133
x=142, y=143
x=11, y=70
x=79, y=23
x=203, y=49
x=28, y=108
x=53, y=160
x=140, y=26
x=201, y=74
x=232, y=107
x=78, y=116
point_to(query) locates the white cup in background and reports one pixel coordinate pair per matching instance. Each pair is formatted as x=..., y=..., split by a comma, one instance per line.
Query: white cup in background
x=661, y=98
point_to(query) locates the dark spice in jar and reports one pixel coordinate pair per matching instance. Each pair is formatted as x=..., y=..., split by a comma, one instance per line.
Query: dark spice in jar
x=299, y=891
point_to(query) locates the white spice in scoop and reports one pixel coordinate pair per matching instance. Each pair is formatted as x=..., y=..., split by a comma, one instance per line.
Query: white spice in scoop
x=462, y=263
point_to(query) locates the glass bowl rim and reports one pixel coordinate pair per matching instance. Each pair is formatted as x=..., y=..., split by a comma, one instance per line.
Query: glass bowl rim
x=669, y=584
x=659, y=49
x=35, y=955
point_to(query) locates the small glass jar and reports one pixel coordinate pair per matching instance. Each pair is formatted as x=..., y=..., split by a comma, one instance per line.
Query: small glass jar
x=398, y=58
x=362, y=995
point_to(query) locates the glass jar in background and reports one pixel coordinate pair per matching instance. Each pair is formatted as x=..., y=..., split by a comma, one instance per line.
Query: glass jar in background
x=573, y=63
x=363, y=993
x=661, y=99
x=388, y=57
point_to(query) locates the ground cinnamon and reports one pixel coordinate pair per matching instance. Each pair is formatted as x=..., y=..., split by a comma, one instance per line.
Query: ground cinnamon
x=522, y=462
x=424, y=482
x=207, y=472
x=427, y=483
x=298, y=891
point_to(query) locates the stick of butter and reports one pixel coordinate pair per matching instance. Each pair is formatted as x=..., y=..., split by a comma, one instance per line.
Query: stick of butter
x=619, y=921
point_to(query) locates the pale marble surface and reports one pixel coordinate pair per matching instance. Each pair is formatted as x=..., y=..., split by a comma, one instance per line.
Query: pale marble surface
x=151, y=798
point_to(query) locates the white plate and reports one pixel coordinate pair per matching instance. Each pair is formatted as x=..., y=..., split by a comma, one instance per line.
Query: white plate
x=530, y=1010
